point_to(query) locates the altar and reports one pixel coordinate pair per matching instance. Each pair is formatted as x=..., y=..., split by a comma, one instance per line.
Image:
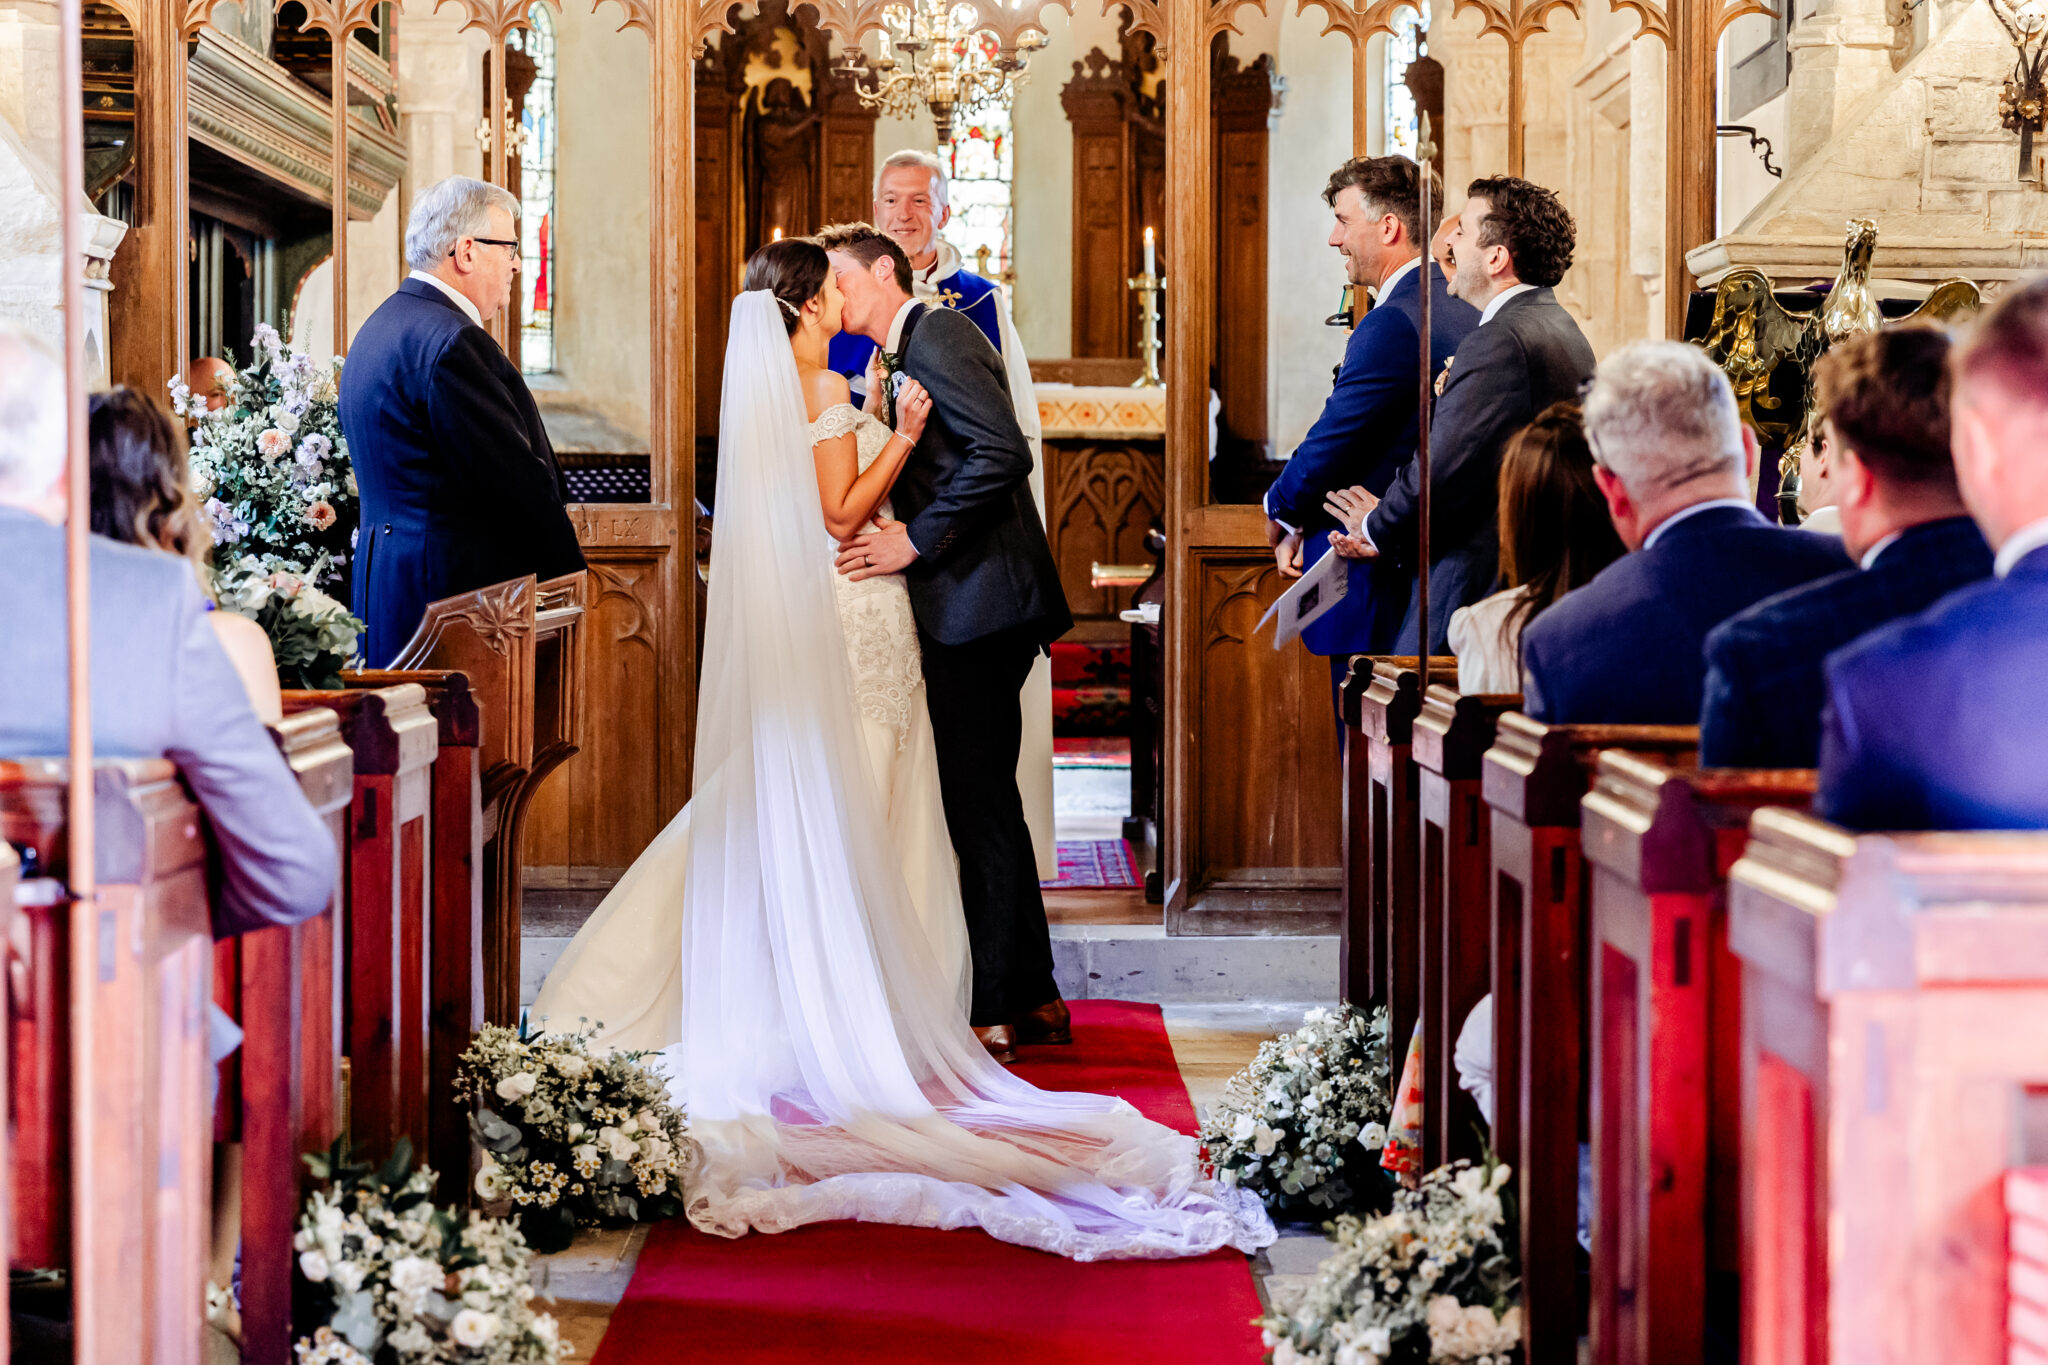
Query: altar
x=1105, y=451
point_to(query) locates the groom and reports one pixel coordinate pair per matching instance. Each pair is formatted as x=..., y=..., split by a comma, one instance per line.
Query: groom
x=987, y=599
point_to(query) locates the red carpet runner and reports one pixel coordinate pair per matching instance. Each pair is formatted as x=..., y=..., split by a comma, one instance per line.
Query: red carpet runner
x=857, y=1292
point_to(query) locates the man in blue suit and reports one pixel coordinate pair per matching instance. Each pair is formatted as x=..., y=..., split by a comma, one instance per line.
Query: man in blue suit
x=1940, y=721
x=1673, y=460
x=1887, y=437
x=1367, y=428
x=458, y=479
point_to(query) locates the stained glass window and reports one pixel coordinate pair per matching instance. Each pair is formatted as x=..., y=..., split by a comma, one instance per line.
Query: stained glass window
x=1409, y=40
x=537, y=275
x=980, y=166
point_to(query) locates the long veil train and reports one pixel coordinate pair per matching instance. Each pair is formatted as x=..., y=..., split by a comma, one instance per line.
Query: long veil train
x=828, y=1069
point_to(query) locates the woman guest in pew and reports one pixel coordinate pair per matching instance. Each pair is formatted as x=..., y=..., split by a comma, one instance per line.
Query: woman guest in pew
x=1554, y=536
x=142, y=495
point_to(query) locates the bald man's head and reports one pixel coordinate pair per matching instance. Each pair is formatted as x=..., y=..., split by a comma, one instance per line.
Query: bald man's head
x=208, y=378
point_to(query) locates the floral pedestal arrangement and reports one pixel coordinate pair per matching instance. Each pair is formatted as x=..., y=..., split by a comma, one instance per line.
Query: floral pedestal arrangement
x=569, y=1137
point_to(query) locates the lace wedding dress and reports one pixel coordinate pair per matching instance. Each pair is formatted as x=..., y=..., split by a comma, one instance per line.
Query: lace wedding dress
x=793, y=941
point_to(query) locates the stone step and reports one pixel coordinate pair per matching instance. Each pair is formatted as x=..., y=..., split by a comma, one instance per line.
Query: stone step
x=1128, y=962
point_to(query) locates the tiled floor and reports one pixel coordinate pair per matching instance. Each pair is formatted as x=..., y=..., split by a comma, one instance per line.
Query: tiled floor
x=1211, y=1043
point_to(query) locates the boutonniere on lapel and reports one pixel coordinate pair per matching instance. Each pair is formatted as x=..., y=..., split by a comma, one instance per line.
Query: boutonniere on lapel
x=1443, y=376
x=892, y=380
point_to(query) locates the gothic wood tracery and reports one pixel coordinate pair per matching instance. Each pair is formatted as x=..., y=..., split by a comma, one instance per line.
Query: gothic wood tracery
x=1516, y=21
x=1691, y=33
x=1244, y=101
x=1116, y=111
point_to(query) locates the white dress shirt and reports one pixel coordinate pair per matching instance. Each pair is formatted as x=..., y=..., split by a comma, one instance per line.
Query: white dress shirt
x=450, y=290
x=1870, y=555
x=895, y=344
x=1500, y=301
x=1401, y=272
x=1682, y=513
x=2019, y=545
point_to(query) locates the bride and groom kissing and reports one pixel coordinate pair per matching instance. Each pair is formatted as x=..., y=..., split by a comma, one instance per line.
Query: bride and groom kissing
x=841, y=938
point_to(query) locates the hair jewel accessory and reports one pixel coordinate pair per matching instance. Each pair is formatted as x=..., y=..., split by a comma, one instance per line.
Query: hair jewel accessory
x=790, y=308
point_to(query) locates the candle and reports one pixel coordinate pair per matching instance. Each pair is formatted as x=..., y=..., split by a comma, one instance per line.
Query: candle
x=1151, y=266
x=776, y=235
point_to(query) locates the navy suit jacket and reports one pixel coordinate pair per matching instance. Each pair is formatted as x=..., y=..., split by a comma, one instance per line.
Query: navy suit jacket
x=1628, y=648
x=162, y=687
x=458, y=480
x=1936, y=721
x=1365, y=433
x=983, y=565
x=1532, y=354
x=1764, y=684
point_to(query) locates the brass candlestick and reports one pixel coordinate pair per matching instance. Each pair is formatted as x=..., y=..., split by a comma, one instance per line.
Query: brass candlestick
x=1149, y=287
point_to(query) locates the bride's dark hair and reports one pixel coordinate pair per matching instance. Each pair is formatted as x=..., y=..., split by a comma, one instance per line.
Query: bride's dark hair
x=792, y=269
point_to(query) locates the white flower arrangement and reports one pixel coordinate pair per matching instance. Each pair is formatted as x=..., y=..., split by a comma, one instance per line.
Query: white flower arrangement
x=280, y=497
x=1433, y=1279
x=312, y=635
x=570, y=1137
x=1302, y=1126
x=272, y=465
x=392, y=1278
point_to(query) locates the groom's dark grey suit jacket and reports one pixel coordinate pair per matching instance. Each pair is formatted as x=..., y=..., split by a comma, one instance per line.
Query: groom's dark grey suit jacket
x=983, y=566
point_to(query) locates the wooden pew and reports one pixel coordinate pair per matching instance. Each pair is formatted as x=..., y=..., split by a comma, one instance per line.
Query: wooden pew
x=455, y=978
x=384, y=931
x=280, y=1093
x=111, y=1041
x=1532, y=780
x=520, y=646
x=1666, y=1023
x=1382, y=698
x=1894, y=1049
x=1451, y=736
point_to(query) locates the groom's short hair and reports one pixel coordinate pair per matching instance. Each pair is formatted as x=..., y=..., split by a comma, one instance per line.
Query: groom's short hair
x=867, y=244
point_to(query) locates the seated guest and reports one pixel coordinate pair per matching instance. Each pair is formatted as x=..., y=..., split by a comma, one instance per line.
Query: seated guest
x=1514, y=241
x=1886, y=430
x=1817, y=508
x=1366, y=431
x=161, y=685
x=1554, y=536
x=1938, y=721
x=142, y=495
x=1673, y=461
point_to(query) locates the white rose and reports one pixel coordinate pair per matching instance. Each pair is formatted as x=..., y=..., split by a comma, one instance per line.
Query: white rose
x=649, y=1122
x=282, y=419
x=1373, y=1137
x=1265, y=1139
x=313, y=1266
x=473, y=1329
x=572, y=1067
x=1242, y=1130
x=348, y=1276
x=492, y=1182
x=517, y=1086
x=617, y=1144
x=631, y=1127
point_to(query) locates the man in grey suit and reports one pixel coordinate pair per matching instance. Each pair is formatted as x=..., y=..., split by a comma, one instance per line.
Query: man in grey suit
x=1513, y=242
x=161, y=686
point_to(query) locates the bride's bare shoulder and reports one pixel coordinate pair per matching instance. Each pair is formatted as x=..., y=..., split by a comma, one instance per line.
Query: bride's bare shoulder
x=822, y=389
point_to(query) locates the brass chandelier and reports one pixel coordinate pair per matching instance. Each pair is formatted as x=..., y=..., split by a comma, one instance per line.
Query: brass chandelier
x=949, y=64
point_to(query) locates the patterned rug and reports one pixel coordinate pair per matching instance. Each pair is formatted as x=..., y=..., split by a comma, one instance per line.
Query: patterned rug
x=1094, y=864
x=1105, y=751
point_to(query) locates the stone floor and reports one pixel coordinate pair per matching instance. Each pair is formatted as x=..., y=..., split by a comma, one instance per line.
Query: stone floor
x=1211, y=1042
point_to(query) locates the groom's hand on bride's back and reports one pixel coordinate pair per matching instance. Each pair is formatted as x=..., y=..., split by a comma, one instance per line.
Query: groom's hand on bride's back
x=886, y=549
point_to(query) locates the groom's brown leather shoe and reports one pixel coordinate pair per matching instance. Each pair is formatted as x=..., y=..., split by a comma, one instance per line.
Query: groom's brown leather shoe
x=1049, y=1023
x=1001, y=1042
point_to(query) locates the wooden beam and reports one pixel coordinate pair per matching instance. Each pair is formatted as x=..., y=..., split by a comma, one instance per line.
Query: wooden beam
x=151, y=273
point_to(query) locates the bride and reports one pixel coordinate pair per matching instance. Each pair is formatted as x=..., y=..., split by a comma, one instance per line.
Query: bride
x=794, y=941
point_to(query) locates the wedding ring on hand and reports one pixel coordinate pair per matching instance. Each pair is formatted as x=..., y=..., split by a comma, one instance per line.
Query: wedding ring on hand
x=868, y=561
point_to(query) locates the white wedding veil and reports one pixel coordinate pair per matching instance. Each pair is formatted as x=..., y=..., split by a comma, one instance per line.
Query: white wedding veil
x=825, y=1062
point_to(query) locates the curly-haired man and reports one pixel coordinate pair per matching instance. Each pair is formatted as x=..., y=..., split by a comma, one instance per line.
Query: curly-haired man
x=1513, y=242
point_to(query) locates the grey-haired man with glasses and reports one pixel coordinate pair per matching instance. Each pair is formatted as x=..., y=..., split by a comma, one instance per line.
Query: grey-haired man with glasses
x=459, y=484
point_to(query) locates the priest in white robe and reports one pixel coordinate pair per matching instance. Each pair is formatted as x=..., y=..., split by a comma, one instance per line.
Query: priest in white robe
x=911, y=206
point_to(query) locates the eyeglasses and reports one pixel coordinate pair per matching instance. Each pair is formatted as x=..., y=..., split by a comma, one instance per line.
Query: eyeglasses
x=493, y=241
